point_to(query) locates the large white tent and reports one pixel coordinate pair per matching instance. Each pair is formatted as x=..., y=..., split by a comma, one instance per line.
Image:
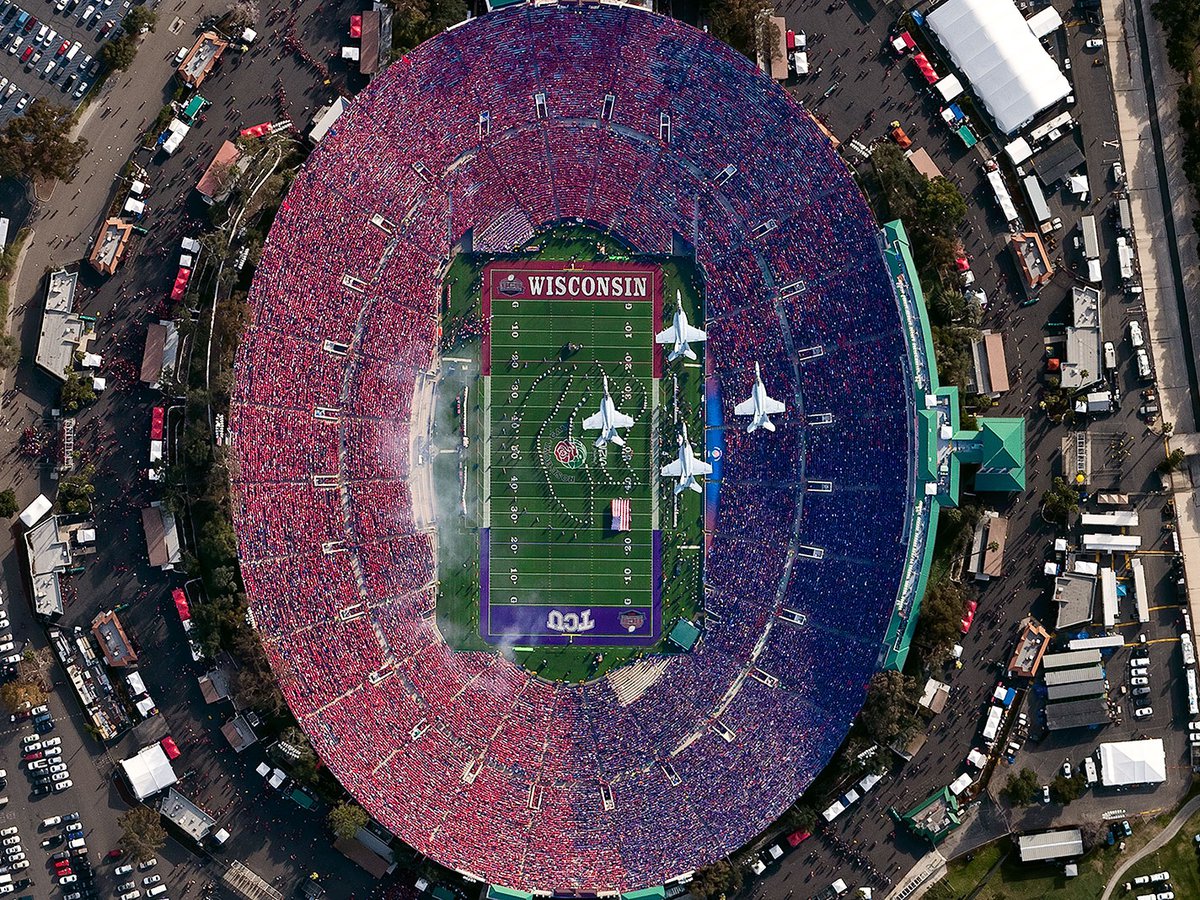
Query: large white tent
x=1133, y=762
x=148, y=772
x=1009, y=69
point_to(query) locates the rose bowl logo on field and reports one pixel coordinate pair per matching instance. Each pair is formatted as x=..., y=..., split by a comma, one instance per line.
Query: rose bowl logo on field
x=632, y=620
x=511, y=286
x=570, y=453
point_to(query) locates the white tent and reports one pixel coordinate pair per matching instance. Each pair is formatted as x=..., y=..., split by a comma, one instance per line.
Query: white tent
x=1007, y=66
x=1133, y=762
x=148, y=772
x=1044, y=22
x=34, y=511
x=949, y=87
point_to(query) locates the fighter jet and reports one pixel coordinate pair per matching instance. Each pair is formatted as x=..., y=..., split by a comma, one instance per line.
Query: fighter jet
x=759, y=405
x=686, y=467
x=608, y=420
x=680, y=333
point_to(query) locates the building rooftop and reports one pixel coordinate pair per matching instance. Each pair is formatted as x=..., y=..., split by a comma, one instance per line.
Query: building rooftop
x=201, y=59
x=110, y=635
x=1082, y=365
x=1074, y=594
x=989, y=365
x=110, y=246
x=63, y=332
x=1032, y=258
x=1051, y=844
x=1031, y=646
x=186, y=815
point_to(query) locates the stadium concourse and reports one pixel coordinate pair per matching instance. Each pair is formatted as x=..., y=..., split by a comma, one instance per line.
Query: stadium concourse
x=652, y=131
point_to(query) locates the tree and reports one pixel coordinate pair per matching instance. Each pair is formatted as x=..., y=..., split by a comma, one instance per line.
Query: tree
x=1063, y=790
x=241, y=14
x=21, y=695
x=76, y=492
x=736, y=23
x=142, y=833
x=38, y=144
x=119, y=55
x=1172, y=461
x=722, y=877
x=10, y=351
x=138, y=18
x=940, y=618
x=346, y=818
x=77, y=392
x=1022, y=788
x=887, y=713
x=8, y=504
x=1060, y=501
x=942, y=206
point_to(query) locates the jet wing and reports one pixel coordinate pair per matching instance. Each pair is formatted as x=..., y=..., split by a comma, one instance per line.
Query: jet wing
x=620, y=420
x=700, y=468
x=745, y=408
x=596, y=420
x=673, y=469
x=691, y=333
x=666, y=336
x=770, y=407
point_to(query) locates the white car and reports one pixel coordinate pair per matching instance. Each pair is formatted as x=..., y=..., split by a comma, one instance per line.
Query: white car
x=53, y=751
x=12, y=829
x=38, y=763
x=15, y=854
x=152, y=862
x=181, y=55
x=62, y=785
x=19, y=864
x=1135, y=334
x=123, y=870
x=1142, y=711
x=60, y=776
x=151, y=879
x=68, y=879
x=31, y=746
x=31, y=739
x=57, y=767
x=15, y=45
x=38, y=710
x=7, y=646
x=11, y=841
x=52, y=742
x=1140, y=681
x=132, y=895
x=52, y=821
x=22, y=103
x=126, y=886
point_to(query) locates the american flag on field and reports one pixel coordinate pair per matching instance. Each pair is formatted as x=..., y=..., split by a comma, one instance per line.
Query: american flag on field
x=620, y=515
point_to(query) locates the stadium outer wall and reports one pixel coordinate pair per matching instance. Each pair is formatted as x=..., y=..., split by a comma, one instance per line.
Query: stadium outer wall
x=469, y=759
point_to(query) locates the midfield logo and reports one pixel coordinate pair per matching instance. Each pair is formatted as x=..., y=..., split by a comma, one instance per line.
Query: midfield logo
x=511, y=286
x=570, y=453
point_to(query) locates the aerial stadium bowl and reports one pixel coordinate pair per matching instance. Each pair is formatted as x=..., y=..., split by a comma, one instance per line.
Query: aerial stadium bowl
x=480, y=143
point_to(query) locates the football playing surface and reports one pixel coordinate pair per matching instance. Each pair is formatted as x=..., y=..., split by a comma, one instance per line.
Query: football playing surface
x=553, y=568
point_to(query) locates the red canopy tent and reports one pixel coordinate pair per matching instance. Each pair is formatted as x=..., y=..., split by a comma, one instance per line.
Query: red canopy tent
x=181, y=604
x=926, y=68
x=257, y=130
x=356, y=26
x=181, y=283
x=156, y=424
x=170, y=747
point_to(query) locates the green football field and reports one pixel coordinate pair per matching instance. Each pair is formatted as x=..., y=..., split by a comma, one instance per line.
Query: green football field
x=548, y=488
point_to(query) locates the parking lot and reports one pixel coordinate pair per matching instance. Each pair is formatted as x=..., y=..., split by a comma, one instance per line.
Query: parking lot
x=51, y=49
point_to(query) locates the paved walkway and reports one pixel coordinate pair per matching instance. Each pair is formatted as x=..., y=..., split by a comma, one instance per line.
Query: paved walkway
x=1160, y=840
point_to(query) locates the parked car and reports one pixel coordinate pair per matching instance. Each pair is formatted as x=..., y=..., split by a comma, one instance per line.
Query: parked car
x=1139, y=681
x=1094, y=44
x=148, y=864
x=1066, y=769
x=181, y=55
x=63, y=785
x=1143, y=711
x=1141, y=691
x=151, y=879
x=1135, y=334
x=898, y=135
x=1045, y=793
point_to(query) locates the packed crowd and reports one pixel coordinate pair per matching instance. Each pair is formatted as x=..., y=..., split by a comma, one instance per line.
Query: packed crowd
x=471, y=759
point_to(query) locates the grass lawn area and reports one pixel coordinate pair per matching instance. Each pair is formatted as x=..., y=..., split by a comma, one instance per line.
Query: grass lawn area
x=1179, y=858
x=1017, y=881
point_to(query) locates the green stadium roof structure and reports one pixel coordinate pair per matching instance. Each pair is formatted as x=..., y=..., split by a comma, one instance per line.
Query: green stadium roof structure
x=933, y=818
x=684, y=635
x=650, y=893
x=997, y=447
x=495, y=892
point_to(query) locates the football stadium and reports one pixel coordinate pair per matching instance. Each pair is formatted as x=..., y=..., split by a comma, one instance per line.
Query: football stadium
x=586, y=447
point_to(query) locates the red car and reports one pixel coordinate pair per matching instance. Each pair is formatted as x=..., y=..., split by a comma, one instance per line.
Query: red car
x=116, y=853
x=62, y=867
x=62, y=48
x=30, y=757
x=26, y=53
x=969, y=616
x=30, y=25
